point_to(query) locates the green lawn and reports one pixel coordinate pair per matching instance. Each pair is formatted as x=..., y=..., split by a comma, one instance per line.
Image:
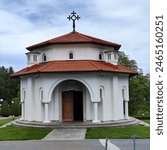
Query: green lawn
x=147, y=121
x=4, y=121
x=22, y=133
x=118, y=133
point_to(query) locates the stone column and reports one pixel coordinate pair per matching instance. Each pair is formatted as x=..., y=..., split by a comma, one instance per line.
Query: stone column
x=95, y=104
x=29, y=105
x=46, y=114
x=126, y=110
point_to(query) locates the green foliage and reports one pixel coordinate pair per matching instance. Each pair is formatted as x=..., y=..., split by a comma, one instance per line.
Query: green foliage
x=123, y=59
x=139, y=88
x=9, y=85
x=15, y=107
x=118, y=133
x=5, y=110
x=139, y=95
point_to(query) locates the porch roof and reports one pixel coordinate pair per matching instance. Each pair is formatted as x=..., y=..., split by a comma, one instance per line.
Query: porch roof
x=75, y=66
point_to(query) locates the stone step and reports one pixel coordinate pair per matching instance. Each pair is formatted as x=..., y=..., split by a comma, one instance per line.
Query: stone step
x=131, y=121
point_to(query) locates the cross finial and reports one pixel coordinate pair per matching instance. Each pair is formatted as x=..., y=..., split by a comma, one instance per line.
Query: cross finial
x=73, y=17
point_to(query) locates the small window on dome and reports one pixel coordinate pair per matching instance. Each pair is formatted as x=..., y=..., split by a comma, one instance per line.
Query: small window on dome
x=100, y=56
x=71, y=56
x=115, y=56
x=44, y=57
x=28, y=57
x=34, y=58
x=109, y=56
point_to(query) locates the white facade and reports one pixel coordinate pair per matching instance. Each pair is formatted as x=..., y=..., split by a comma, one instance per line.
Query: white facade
x=41, y=96
x=79, y=51
x=105, y=94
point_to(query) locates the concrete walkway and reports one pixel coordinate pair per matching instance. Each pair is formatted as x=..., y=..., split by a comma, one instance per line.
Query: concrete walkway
x=66, y=134
x=51, y=145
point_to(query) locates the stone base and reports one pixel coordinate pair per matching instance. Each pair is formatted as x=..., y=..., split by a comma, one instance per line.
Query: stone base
x=72, y=125
x=46, y=121
x=96, y=121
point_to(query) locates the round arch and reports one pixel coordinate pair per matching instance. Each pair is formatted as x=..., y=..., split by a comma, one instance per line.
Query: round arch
x=124, y=93
x=56, y=83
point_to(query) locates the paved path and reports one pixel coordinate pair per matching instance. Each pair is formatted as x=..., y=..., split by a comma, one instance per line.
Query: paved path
x=52, y=145
x=127, y=144
x=66, y=134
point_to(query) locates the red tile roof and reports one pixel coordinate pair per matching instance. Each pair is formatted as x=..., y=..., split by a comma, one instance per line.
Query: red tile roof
x=75, y=66
x=74, y=37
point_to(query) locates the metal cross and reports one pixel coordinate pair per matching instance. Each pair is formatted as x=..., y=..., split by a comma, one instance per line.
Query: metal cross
x=73, y=17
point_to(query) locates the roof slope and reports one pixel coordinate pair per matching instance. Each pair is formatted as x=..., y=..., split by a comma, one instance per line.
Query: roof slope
x=75, y=66
x=74, y=37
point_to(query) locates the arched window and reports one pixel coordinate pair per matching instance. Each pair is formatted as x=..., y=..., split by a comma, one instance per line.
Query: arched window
x=101, y=93
x=123, y=94
x=115, y=56
x=109, y=56
x=100, y=56
x=71, y=55
x=41, y=94
x=34, y=57
x=23, y=94
x=44, y=57
x=124, y=97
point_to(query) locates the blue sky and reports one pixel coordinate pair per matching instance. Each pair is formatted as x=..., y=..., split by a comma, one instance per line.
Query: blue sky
x=27, y=22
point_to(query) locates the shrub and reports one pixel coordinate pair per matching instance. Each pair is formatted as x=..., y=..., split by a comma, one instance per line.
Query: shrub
x=15, y=109
x=5, y=110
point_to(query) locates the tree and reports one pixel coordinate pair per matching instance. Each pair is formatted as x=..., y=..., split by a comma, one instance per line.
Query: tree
x=123, y=59
x=15, y=107
x=5, y=110
x=9, y=85
x=139, y=88
x=139, y=94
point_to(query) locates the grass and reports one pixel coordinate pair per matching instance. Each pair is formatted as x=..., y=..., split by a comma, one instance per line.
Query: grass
x=118, y=133
x=147, y=121
x=22, y=133
x=4, y=121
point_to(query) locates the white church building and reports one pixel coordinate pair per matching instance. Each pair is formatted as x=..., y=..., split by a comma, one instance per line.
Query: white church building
x=74, y=77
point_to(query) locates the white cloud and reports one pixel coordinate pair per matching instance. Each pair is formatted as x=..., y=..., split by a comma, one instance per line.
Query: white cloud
x=27, y=22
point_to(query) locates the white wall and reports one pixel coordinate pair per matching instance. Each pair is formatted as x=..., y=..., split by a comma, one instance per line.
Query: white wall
x=110, y=107
x=80, y=52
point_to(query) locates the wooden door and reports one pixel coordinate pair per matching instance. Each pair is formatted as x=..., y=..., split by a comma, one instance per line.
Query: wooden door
x=67, y=106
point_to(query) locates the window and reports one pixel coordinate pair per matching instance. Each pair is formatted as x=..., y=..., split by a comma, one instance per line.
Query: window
x=124, y=108
x=115, y=56
x=100, y=56
x=101, y=94
x=23, y=94
x=70, y=55
x=28, y=57
x=123, y=94
x=41, y=95
x=34, y=58
x=109, y=56
x=44, y=57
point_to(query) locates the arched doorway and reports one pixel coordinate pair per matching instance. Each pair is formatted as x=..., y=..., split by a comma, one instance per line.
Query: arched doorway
x=72, y=105
x=72, y=100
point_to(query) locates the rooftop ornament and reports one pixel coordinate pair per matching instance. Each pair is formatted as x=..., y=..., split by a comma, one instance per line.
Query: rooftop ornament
x=73, y=17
